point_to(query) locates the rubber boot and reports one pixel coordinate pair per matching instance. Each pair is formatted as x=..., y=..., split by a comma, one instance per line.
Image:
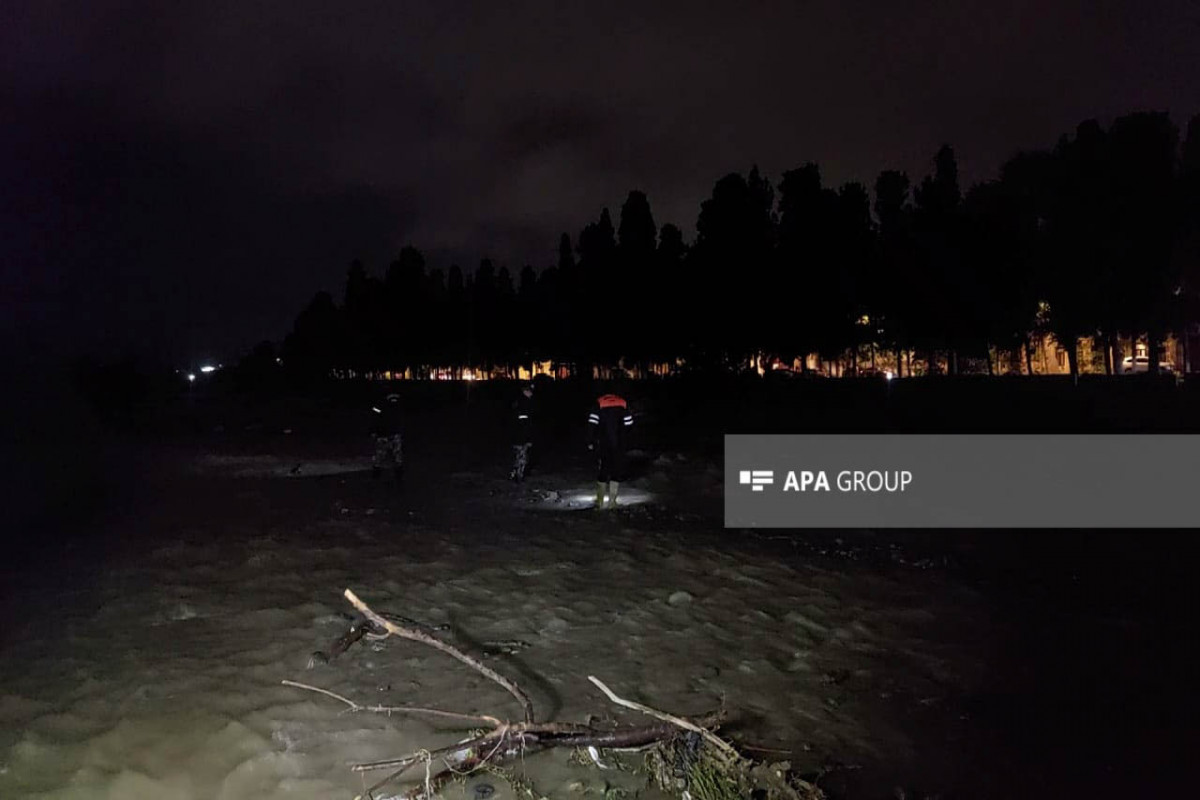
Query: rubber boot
x=613, y=488
x=600, y=486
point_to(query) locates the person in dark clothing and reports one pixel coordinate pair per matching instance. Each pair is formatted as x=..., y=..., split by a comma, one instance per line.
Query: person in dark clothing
x=389, y=440
x=523, y=413
x=608, y=422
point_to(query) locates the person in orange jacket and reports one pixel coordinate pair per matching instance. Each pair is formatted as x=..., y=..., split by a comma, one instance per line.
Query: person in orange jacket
x=609, y=421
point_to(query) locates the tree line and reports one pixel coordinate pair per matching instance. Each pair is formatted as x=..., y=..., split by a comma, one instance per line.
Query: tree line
x=1097, y=236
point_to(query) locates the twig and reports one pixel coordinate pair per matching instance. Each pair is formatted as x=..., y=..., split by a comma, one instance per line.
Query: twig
x=404, y=762
x=438, y=644
x=370, y=793
x=378, y=709
x=435, y=712
x=765, y=749
x=623, y=738
x=353, y=705
x=458, y=762
x=499, y=741
x=716, y=741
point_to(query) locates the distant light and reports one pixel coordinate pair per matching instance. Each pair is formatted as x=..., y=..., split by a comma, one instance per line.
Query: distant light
x=207, y=368
x=376, y=410
x=888, y=375
x=279, y=361
x=191, y=376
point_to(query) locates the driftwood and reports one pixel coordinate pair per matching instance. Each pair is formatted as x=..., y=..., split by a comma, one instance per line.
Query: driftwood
x=496, y=740
x=363, y=627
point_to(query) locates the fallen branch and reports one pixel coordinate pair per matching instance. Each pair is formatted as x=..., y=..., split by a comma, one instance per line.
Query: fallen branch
x=508, y=740
x=340, y=645
x=420, y=636
x=365, y=628
x=712, y=739
x=504, y=740
x=378, y=709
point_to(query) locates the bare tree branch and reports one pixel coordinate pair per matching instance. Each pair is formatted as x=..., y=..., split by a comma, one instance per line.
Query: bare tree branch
x=505, y=740
x=378, y=709
x=712, y=738
x=438, y=644
x=408, y=760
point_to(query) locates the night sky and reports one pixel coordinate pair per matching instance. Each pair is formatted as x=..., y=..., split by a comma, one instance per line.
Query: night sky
x=178, y=183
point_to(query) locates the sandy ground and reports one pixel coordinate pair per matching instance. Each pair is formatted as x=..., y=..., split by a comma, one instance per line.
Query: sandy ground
x=148, y=665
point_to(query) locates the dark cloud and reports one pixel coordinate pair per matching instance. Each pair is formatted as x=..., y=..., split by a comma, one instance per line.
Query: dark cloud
x=153, y=239
x=190, y=174
x=538, y=128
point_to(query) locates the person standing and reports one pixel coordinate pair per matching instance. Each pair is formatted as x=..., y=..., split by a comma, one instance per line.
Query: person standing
x=523, y=412
x=609, y=420
x=389, y=437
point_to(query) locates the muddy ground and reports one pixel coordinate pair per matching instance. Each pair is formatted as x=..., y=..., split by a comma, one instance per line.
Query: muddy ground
x=188, y=567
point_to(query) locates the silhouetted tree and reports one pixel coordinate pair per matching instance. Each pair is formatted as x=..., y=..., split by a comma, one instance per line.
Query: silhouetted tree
x=484, y=313
x=733, y=267
x=364, y=318
x=1186, y=254
x=553, y=331
x=807, y=314
x=635, y=277
x=529, y=348
x=598, y=308
x=1077, y=270
x=1098, y=236
x=668, y=341
x=946, y=282
x=1029, y=182
x=457, y=321
x=315, y=345
x=258, y=370
x=1146, y=220
x=563, y=291
x=761, y=244
x=508, y=323
x=894, y=270
x=408, y=318
x=1004, y=304
x=437, y=297
x=854, y=248
x=638, y=234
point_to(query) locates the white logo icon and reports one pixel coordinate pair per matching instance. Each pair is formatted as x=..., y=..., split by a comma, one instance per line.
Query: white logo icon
x=756, y=479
